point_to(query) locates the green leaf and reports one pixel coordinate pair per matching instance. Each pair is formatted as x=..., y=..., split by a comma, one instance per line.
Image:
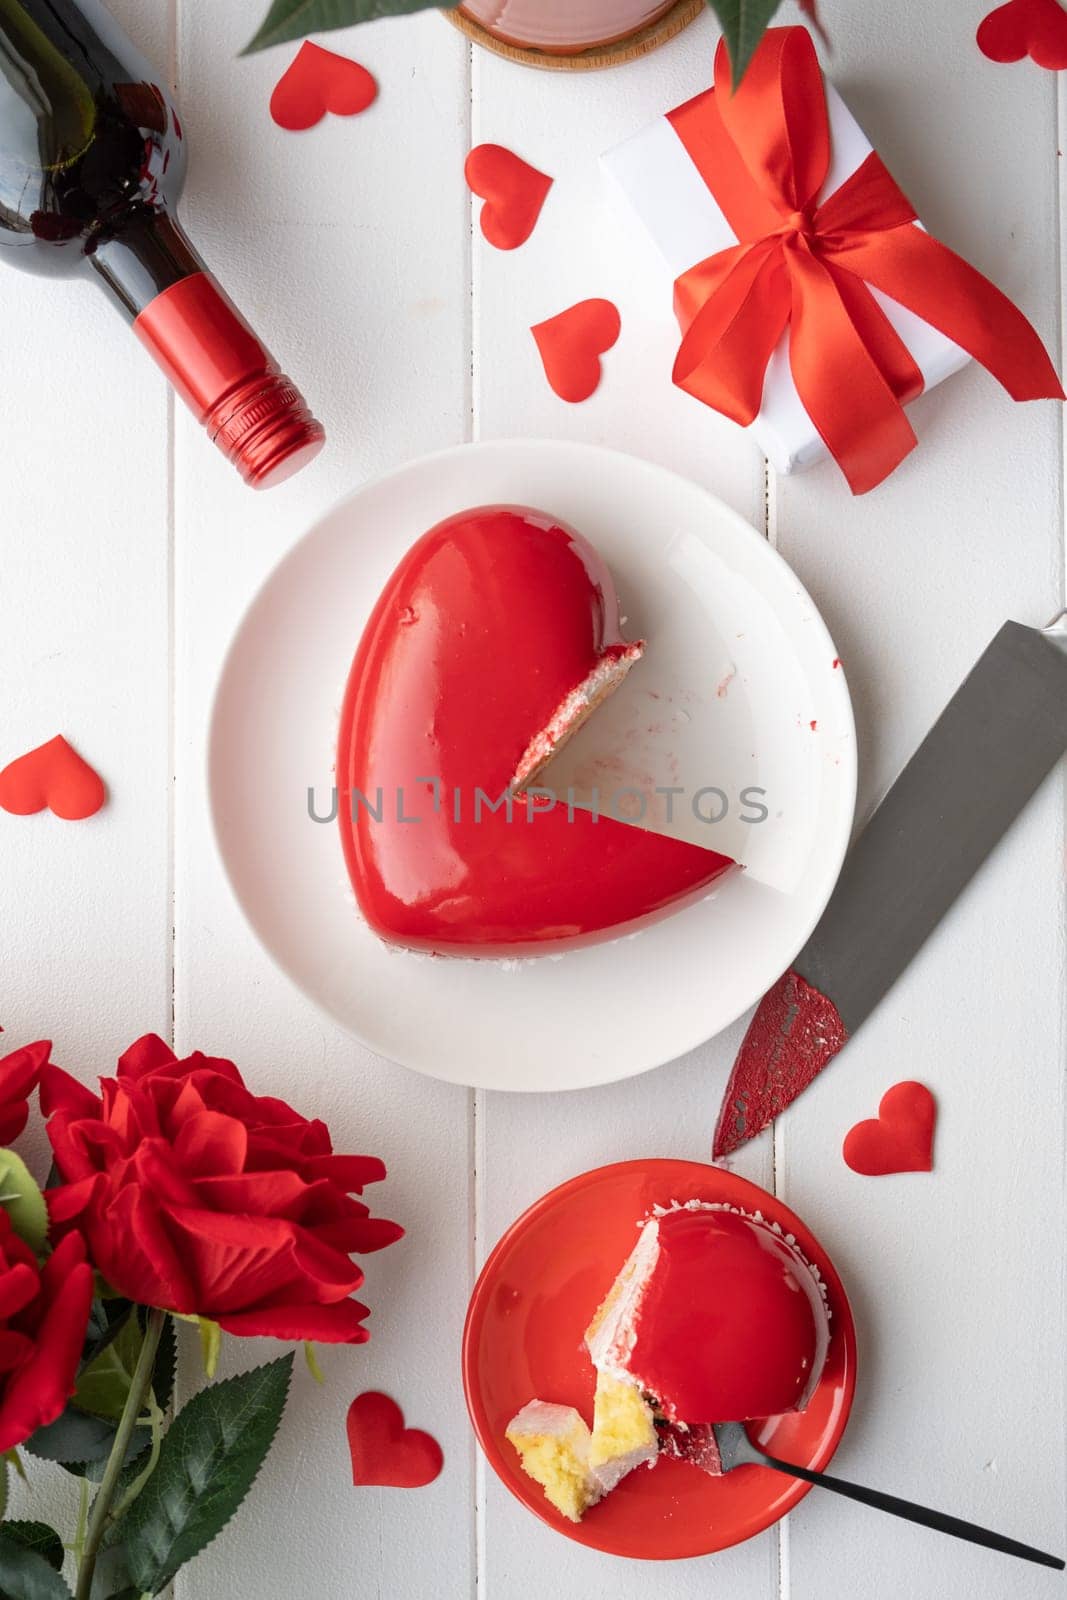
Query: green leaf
x=166, y=1366
x=209, y=1461
x=743, y=23
x=37, y=1536
x=3, y=1490
x=26, y=1575
x=73, y=1438
x=111, y=1580
x=295, y=19
x=104, y=1384
x=23, y=1201
x=107, y=1318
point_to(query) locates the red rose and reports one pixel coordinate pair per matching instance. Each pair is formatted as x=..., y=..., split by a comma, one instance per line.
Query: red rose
x=44, y=1312
x=197, y=1196
x=20, y=1074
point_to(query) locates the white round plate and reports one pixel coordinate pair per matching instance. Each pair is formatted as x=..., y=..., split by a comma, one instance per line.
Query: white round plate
x=740, y=688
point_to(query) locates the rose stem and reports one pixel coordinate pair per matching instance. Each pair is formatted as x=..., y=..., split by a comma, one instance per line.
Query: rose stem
x=135, y=1402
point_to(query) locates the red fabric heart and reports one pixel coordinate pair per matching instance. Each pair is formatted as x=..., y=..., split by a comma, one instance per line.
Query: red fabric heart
x=572, y=343
x=1034, y=28
x=53, y=776
x=318, y=81
x=513, y=191
x=900, y=1138
x=384, y=1453
x=481, y=633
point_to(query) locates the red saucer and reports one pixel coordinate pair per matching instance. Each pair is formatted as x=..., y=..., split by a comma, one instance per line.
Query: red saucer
x=523, y=1339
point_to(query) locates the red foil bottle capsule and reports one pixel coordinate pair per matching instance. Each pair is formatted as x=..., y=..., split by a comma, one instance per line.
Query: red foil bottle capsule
x=230, y=381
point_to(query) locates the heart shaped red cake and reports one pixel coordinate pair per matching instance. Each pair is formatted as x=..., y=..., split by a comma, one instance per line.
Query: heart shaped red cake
x=492, y=641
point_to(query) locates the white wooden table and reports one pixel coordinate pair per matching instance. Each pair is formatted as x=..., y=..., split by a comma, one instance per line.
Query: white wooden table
x=128, y=552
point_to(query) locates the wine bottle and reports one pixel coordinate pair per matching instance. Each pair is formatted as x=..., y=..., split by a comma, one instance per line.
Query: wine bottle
x=92, y=158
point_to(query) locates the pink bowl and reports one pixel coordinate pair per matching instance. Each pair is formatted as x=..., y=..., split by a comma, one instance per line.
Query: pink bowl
x=564, y=26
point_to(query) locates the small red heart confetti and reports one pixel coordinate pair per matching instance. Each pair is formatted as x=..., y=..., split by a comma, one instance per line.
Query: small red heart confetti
x=384, y=1452
x=900, y=1138
x=513, y=191
x=318, y=81
x=55, y=777
x=572, y=343
x=1034, y=28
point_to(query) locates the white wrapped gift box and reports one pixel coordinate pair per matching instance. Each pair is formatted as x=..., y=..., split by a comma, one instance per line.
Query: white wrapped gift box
x=664, y=188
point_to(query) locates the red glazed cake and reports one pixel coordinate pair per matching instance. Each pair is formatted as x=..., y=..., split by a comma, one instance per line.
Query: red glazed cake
x=716, y=1316
x=491, y=643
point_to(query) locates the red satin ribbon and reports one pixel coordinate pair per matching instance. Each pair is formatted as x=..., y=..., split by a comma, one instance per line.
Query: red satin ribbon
x=805, y=266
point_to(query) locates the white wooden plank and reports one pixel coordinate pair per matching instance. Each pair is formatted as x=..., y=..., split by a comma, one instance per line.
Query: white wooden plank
x=84, y=651
x=959, y=1298
x=347, y=246
x=586, y=244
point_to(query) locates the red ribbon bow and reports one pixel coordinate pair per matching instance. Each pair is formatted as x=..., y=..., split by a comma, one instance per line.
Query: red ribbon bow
x=809, y=264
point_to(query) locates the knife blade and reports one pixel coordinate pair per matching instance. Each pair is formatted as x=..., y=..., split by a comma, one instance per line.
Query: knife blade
x=995, y=742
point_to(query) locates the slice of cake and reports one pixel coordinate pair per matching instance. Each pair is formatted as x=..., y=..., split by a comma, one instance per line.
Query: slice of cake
x=716, y=1316
x=624, y=1431
x=553, y=1445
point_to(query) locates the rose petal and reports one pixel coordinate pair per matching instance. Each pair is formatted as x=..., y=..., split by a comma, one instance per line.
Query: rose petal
x=340, y=1323
x=211, y=1145
x=36, y=1393
x=62, y=1093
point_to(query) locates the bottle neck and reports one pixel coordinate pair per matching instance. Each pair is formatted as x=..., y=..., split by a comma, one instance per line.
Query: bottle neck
x=149, y=254
x=219, y=367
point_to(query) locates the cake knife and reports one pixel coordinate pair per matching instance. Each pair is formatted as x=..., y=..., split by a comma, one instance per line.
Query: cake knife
x=997, y=739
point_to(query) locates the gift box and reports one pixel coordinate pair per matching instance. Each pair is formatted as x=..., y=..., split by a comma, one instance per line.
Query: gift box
x=813, y=304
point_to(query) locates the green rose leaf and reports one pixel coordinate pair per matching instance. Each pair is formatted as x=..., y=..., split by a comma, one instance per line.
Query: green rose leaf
x=743, y=23
x=23, y=1201
x=209, y=1461
x=106, y=1321
x=294, y=19
x=73, y=1439
x=36, y=1536
x=111, y=1579
x=105, y=1383
x=26, y=1575
x=166, y=1366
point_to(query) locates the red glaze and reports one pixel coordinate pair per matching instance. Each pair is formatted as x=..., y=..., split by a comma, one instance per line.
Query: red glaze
x=491, y=619
x=796, y=1031
x=731, y=1325
x=696, y=1445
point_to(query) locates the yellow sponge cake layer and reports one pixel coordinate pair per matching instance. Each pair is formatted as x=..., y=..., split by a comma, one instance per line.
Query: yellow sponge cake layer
x=553, y=1446
x=624, y=1433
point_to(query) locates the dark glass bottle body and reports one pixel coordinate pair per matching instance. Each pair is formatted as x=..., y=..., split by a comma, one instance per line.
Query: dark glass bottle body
x=92, y=161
